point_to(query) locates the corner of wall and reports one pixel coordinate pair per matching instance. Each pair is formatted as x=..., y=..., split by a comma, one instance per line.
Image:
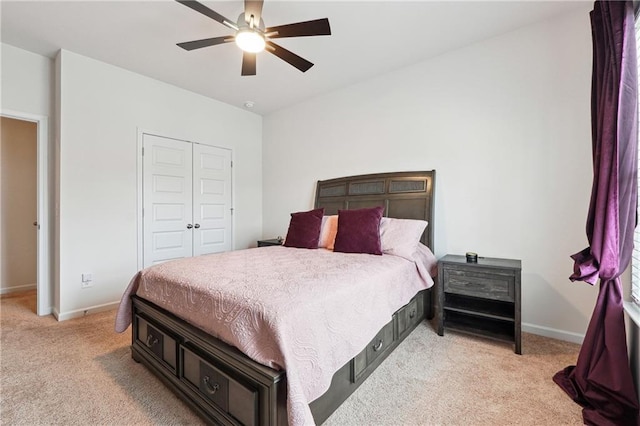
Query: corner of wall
x=55, y=170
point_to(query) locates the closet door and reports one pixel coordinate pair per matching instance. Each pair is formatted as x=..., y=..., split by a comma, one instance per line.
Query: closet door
x=167, y=199
x=211, y=199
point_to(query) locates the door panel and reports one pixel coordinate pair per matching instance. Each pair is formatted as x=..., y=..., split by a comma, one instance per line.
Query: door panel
x=211, y=199
x=167, y=199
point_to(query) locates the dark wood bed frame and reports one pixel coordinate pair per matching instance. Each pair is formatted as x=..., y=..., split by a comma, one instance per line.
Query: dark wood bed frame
x=226, y=387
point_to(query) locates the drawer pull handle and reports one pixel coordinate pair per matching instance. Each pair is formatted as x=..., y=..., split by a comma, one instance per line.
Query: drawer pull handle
x=211, y=389
x=151, y=340
x=472, y=284
x=412, y=314
x=377, y=346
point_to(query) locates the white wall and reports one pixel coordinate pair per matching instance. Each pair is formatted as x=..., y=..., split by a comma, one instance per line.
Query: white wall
x=27, y=87
x=27, y=81
x=101, y=109
x=506, y=125
x=18, y=147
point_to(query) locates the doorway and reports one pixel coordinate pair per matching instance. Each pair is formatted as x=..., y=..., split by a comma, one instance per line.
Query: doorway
x=24, y=250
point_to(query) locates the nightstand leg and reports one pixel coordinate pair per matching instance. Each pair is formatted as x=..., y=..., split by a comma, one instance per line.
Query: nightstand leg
x=440, y=300
x=440, y=320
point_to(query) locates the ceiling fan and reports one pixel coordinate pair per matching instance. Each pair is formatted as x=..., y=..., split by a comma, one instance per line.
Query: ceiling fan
x=252, y=36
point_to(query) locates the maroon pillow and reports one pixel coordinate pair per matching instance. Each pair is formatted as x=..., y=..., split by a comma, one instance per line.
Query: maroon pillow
x=359, y=231
x=304, y=229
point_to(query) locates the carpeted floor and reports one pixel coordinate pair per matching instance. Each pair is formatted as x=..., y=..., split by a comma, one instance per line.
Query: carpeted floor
x=80, y=372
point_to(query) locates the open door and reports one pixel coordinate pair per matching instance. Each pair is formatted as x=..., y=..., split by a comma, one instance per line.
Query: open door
x=41, y=221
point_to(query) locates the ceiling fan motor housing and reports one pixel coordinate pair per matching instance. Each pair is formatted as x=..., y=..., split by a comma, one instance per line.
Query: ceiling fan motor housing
x=244, y=24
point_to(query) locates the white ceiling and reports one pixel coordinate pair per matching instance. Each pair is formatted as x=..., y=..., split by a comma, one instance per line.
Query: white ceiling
x=368, y=38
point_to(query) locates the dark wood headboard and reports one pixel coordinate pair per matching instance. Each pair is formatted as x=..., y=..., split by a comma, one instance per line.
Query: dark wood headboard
x=404, y=195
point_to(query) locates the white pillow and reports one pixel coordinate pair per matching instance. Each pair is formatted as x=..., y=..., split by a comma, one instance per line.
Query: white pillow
x=328, y=231
x=400, y=237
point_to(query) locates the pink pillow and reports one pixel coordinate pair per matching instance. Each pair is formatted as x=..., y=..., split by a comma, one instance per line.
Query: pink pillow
x=359, y=231
x=304, y=229
x=328, y=231
x=400, y=237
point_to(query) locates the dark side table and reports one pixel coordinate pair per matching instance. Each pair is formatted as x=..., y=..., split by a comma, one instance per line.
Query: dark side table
x=271, y=242
x=480, y=298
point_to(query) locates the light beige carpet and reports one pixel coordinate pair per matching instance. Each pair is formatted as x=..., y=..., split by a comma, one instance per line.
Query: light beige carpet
x=79, y=372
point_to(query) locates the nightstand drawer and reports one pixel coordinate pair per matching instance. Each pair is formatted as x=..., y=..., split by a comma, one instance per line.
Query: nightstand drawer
x=494, y=285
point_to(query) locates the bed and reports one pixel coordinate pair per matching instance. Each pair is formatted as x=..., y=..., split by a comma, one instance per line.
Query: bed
x=273, y=385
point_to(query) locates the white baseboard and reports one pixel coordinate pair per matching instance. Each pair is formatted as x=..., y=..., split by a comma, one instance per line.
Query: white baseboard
x=17, y=288
x=63, y=316
x=46, y=312
x=554, y=333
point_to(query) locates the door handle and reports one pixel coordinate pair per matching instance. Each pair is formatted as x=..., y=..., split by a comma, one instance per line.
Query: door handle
x=189, y=226
x=35, y=223
x=197, y=225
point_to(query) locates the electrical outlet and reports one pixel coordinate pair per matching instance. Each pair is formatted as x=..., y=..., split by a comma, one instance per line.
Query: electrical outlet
x=87, y=281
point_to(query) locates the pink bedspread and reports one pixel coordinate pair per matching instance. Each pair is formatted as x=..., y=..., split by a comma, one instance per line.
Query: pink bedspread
x=305, y=311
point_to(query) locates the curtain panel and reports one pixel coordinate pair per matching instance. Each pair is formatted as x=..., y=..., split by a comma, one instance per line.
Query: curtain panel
x=601, y=380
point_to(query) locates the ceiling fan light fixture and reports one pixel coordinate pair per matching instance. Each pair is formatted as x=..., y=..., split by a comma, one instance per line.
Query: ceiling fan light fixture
x=252, y=36
x=250, y=41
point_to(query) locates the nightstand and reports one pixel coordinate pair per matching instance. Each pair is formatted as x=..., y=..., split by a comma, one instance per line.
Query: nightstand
x=480, y=298
x=271, y=242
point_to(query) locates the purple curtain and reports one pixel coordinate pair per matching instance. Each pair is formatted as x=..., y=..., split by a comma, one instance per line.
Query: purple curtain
x=601, y=380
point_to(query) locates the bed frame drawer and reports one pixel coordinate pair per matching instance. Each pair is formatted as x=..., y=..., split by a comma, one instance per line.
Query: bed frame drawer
x=408, y=315
x=221, y=384
x=380, y=343
x=223, y=391
x=157, y=342
x=376, y=346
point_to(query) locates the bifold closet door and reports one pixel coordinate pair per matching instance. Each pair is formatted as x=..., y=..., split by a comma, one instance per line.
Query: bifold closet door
x=167, y=199
x=211, y=199
x=186, y=199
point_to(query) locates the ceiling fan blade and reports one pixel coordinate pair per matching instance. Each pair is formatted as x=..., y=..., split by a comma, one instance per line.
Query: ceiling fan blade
x=197, y=44
x=248, y=63
x=301, y=29
x=199, y=7
x=290, y=57
x=253, y=7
